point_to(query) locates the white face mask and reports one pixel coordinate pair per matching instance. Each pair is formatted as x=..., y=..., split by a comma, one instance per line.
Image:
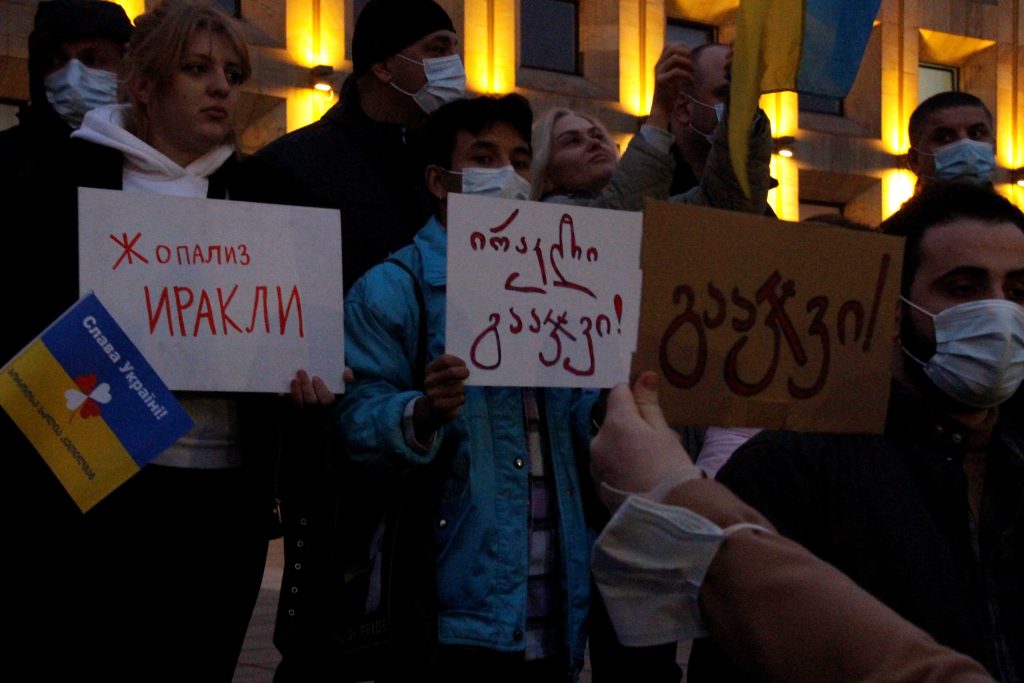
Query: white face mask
x=979, y=351
x=719, y=115
x=446, y=82
x=494, y=182
x=74, y=89
x=649, y=563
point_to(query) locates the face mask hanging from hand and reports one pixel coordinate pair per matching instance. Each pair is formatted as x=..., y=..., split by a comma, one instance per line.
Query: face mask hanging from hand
x=979, y=351
x=446, y=82
x=75, y=89
x=494, y=182
x=649, y=564
x=965, y=160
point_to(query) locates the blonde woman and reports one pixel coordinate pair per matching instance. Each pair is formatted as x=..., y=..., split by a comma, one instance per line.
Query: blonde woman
x=575, y=160
x=158, y=581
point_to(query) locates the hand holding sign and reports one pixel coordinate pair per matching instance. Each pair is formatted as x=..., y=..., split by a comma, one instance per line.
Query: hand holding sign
x=221, y=295
x=541, y=294
x=762, y=323
x=635, y=450
x=444, y=392
x=90, y=403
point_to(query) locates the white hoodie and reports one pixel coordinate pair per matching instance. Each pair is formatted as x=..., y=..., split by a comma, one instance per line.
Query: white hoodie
x=214, y=441
x=146, y=169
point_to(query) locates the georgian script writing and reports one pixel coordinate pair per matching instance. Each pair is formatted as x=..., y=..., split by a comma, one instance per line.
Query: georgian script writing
x=712, y=309
x=539, y=267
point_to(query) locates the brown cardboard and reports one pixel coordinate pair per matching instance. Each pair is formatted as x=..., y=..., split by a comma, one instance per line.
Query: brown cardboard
x=820, y=273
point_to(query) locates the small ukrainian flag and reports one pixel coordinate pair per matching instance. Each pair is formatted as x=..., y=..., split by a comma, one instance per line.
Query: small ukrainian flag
x=90, y=403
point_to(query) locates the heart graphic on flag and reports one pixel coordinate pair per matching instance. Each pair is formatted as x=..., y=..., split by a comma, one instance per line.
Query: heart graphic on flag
x=87, y=398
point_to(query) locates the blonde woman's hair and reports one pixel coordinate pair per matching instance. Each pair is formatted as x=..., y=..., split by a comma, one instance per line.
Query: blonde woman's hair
x=543, y=141
x=160, y=40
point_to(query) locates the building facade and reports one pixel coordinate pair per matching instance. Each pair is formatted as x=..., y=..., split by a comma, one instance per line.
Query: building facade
x=598, y=56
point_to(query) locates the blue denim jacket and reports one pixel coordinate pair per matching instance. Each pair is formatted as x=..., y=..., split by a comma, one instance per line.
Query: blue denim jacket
x=481, y=529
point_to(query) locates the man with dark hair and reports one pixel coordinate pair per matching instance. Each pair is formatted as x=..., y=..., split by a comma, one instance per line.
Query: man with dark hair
x=74, y=58
x=359, y=158
x=952, y=139
x=926, y=517
x=512, y=548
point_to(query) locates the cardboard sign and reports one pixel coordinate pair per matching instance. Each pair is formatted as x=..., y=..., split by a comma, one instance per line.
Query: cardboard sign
x=542, y=295
x=218, y=295
x=763, y=323
x=89, y=402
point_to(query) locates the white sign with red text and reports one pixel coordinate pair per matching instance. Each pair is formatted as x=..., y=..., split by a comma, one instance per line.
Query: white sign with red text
x=218, y=295
x=542, y=295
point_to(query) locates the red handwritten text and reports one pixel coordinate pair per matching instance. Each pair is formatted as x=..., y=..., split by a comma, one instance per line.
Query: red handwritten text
x=186, y=311
x=690, y=329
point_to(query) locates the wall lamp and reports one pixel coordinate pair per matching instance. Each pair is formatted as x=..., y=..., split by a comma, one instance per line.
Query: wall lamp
x=783, y=146
x=320, y=77
x=1017, y=176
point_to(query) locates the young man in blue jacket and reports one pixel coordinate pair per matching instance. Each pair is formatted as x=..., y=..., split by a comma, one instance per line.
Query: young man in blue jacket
x=512, y=546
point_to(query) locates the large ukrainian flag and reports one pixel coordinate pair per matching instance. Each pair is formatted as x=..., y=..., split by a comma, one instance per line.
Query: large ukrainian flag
x=90, y=403
x=811, y=46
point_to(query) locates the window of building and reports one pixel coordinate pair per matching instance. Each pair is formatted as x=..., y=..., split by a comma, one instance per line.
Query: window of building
x=232, y=7
x=689, y=33
x=935, y=78
x=550, y=35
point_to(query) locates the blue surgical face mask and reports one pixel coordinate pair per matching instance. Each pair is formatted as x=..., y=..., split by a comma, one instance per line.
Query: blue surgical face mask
x=446, y=82
x=979, y=351
x=494, y=182
x=74, y=89
x=965, y=160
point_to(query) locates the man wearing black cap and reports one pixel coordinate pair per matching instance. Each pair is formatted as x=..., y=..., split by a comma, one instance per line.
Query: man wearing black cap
x=74, y=57
x=358, y=158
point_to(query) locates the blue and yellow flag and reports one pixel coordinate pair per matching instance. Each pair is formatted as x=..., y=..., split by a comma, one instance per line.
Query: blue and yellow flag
x=811, y=46
x=90, y=403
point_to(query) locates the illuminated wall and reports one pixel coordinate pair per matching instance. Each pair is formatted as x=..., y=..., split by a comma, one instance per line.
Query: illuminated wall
x=619, y=88
x=490, y=45
x=899, y=98
x=783, y=112
x=314, y=35
x=1010, y=108
x=641, y=40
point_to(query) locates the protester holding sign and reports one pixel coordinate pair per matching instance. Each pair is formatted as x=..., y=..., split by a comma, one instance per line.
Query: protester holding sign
x=713, y=565
x=512, y=546
x=166, y=569
x=925, y=517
